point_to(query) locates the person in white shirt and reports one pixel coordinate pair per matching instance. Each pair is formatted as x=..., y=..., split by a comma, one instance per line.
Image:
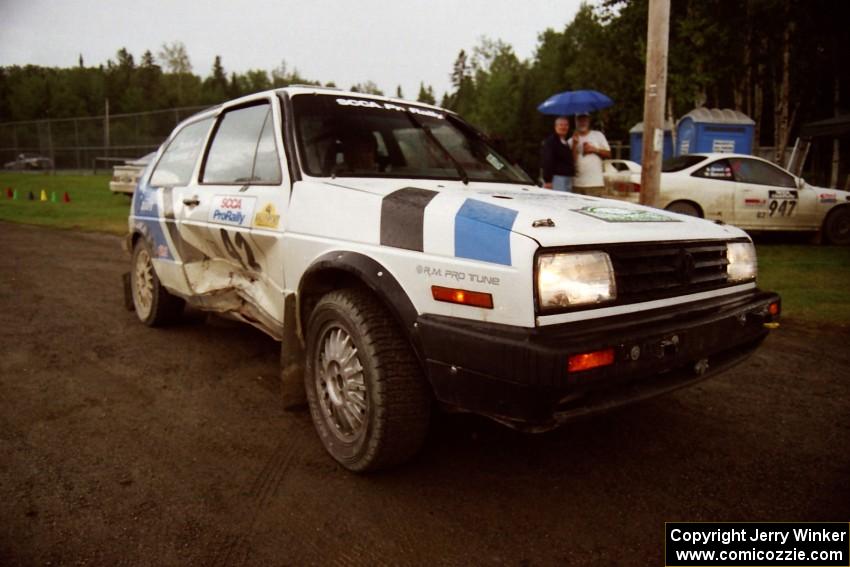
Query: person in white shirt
x=589, y=149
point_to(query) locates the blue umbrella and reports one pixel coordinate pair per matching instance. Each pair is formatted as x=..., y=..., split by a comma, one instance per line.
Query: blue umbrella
x=574, y=102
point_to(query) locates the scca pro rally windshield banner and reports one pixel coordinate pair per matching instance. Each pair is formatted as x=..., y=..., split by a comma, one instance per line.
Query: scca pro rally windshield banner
x=234, y=211
x=379, y=105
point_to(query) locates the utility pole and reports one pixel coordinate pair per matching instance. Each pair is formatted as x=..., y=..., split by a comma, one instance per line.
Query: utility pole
x=655, y=95
x=106, y=127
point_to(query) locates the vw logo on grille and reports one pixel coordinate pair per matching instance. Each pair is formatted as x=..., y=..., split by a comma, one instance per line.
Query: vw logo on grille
x=685, y=266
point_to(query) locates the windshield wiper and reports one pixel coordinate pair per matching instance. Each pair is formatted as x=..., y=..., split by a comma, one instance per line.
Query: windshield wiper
x=460, y=170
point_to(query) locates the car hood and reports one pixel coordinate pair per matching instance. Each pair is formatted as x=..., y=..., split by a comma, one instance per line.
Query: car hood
x=554, y=218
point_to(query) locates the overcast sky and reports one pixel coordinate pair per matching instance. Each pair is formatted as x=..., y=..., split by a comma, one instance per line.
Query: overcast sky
x=389, y=42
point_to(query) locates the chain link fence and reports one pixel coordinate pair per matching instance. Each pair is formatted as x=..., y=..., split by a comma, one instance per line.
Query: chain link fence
x=87, y=143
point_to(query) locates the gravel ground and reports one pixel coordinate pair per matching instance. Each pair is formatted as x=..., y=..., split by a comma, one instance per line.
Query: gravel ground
x=123, y=445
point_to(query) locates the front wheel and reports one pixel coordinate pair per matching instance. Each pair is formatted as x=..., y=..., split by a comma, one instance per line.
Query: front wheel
x=153, y=304
x=368, y=400
x=836, y=227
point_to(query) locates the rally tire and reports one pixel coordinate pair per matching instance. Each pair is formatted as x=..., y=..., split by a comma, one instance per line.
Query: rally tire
x=395, y=419
x=153, y=304
x=836, y=227
x=684, y=208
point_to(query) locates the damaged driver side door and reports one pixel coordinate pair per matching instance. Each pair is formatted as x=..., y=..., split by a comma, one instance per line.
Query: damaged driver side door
x=226, y=198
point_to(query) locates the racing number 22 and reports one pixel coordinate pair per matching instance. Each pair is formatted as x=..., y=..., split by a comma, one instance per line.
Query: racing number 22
x=782, y=208
x=233, y=246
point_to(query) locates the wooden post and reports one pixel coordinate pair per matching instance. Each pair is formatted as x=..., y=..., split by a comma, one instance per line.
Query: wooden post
x=106, y=128
x=655, y=94
x=836, y=144
x=50, y=146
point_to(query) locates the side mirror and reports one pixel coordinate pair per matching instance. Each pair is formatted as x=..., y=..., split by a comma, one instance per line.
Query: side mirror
x=801, y=183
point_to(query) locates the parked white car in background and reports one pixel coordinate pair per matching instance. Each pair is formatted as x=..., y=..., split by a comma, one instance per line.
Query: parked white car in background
x=744, y=190
x=126, y=177
x=622, y=178
x=29, y=162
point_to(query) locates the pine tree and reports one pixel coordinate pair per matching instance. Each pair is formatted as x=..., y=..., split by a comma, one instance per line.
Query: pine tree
x=426, y=95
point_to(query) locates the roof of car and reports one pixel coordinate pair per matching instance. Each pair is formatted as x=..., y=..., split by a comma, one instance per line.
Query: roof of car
x=722, y=155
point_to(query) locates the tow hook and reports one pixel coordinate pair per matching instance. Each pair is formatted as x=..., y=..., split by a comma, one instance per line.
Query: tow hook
x=665, y=347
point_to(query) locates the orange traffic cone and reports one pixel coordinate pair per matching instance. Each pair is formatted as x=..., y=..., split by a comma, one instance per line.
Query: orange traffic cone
x=66, y=198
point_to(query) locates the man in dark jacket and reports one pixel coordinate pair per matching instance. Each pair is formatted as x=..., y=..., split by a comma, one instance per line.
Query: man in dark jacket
x=557, y=158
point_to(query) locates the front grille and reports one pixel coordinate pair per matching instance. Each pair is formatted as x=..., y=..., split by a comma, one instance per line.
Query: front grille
x=653, y=271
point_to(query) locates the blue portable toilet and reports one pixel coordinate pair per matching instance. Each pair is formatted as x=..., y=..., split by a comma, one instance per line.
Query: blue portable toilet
x=705, y=130
x=636, y=141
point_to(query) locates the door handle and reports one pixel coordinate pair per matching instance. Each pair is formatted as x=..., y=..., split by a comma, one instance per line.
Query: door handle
x=192, y=201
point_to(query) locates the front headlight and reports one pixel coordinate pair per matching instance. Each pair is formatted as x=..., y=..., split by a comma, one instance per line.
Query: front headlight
x=743, y=264
x=580, y=278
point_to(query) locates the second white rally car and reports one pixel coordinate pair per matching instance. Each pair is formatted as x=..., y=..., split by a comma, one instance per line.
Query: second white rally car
x=402, y=261
x=746, y=191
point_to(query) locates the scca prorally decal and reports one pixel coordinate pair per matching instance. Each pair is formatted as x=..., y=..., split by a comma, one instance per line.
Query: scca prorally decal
x=402, y=217
x=616, y=214
x=363, y=103
x=232, y=210
x=483, y=232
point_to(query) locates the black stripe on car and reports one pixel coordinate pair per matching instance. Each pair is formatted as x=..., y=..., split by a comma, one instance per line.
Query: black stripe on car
x=186, y=251
x=403, y=217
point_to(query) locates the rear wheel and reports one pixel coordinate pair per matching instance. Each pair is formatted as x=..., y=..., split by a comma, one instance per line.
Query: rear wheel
x=153, y=304
x=836, y=227
x=684, y=208
x=368, y=400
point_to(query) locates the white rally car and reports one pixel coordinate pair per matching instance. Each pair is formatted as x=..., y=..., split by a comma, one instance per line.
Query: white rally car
x=402, y=261
x=746, y=191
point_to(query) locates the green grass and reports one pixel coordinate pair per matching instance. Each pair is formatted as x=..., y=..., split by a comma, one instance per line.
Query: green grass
x=814, y=281
x=93, y=206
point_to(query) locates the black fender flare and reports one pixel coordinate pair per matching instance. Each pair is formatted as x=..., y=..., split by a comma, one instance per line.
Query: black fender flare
x=370, y=273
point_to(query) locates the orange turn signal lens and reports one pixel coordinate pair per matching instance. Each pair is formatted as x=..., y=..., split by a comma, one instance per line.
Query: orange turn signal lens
x=588, y=360
x=773, y=309
x=462, y=297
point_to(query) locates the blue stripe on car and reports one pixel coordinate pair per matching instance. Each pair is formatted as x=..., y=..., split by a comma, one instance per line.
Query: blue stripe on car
x=147, y=221
x=483, y=232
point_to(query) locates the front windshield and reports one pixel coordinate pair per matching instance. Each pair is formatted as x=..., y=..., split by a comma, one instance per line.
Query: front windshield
x=352, y=137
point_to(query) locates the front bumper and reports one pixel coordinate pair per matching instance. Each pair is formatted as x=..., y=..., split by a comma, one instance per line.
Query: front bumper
x=519, y=376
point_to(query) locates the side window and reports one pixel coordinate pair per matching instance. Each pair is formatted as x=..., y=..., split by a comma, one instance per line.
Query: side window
x=720, y=170
x=178, y=161
x=761, y=173
x=243, y=148
x=267, y=162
